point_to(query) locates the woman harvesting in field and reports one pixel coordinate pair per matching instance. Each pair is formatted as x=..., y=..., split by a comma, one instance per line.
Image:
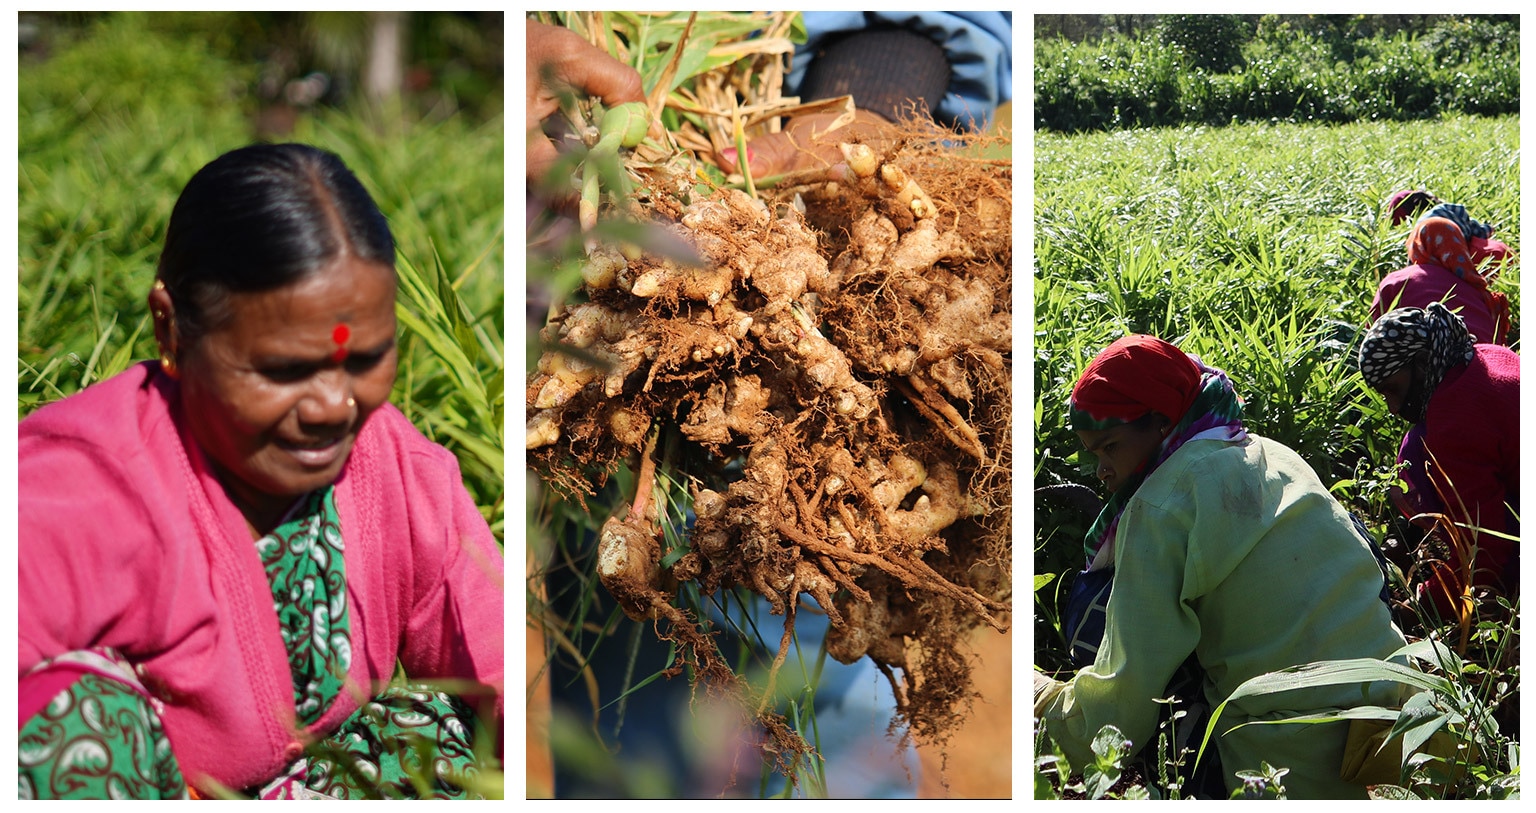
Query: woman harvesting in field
x=1462, y=455
x=267, y=540
x=1445, y=268
x=1408, y=203
x=1225, y=546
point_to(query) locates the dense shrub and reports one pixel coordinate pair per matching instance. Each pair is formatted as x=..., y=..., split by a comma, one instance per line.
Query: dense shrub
x=1123, y=83
x=1213, y=42
x=1285, y=72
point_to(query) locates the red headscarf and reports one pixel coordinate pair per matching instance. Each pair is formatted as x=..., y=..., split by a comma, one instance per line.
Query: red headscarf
x=1134, y=376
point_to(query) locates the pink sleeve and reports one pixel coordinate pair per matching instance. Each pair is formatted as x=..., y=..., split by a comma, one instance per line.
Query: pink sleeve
x=87, y=552
x=456, y=628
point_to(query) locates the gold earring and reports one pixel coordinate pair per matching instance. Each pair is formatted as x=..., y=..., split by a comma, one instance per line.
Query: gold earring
x=159, y=284
x=168, y=364
x=351, y=402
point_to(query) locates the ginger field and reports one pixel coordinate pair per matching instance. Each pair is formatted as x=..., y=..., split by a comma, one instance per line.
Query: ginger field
x=1258, y=247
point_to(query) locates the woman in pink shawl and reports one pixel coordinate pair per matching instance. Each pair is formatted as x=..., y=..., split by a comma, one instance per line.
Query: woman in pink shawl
x=240, y=569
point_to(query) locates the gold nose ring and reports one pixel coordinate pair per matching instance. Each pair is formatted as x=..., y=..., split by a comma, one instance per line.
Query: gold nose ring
x=351, y=402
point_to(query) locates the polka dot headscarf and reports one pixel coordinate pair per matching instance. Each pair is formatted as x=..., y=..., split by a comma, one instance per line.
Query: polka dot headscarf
x=1432, y=339
x=1439, y=241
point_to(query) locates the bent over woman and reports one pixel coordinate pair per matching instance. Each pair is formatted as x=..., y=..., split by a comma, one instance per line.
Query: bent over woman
x=226, y=555
x=1461, y=454
x=1225, y=547
x=1444, y=268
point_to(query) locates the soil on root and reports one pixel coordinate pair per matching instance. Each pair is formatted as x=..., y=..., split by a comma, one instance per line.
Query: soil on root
x=838, y=385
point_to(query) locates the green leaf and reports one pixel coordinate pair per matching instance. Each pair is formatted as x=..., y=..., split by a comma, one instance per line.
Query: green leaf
x=1381, y=713
x=124, y=354
x=1324, y=673
x=1109, y=747
x=1432, y=651
x=1043, y=787
x=1099, y=780
x=1419, y=720
x=797, y=32
x=1337, y=673
x=493, y=456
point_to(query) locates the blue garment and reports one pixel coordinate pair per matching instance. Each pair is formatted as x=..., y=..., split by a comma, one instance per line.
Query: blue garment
x=978, y=45
x=1457, y=214
x=1083, y=618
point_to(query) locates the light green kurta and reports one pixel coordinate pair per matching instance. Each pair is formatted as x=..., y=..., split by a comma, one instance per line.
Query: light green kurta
x=1236, y=552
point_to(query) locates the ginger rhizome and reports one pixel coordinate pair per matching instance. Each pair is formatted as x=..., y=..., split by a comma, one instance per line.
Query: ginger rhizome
x=835, y=365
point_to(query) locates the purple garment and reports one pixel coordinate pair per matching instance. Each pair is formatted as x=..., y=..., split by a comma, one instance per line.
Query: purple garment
x=1418, y=285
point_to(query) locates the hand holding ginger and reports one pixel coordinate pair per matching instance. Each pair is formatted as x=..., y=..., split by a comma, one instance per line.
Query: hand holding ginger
x=561, y=62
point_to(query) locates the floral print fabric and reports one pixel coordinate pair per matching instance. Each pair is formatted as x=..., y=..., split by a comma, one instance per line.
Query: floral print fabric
x=407, y=743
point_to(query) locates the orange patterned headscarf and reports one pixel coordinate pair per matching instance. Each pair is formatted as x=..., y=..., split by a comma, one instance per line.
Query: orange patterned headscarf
x=1438, y=241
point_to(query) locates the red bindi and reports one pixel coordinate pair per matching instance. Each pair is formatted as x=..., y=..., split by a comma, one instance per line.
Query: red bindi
x=340, y=335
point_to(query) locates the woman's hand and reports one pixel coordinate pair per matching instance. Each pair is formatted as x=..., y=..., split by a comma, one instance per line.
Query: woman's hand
x=560, y=61
x=805, y=143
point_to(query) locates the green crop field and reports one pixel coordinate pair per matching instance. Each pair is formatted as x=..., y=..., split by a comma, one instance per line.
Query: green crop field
x=1258, y=247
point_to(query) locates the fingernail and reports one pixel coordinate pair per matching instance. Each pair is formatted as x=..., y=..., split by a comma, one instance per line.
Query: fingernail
x=734, y=158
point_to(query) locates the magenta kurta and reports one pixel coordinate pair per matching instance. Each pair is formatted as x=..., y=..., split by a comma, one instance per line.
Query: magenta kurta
x=1418, y=285
x=1472, y=429
x=127, y=540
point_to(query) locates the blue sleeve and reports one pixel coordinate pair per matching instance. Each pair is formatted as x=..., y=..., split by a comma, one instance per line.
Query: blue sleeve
x=978, y=45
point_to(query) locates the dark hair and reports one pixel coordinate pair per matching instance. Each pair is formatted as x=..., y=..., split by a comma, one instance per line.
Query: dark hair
x=262, y=217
